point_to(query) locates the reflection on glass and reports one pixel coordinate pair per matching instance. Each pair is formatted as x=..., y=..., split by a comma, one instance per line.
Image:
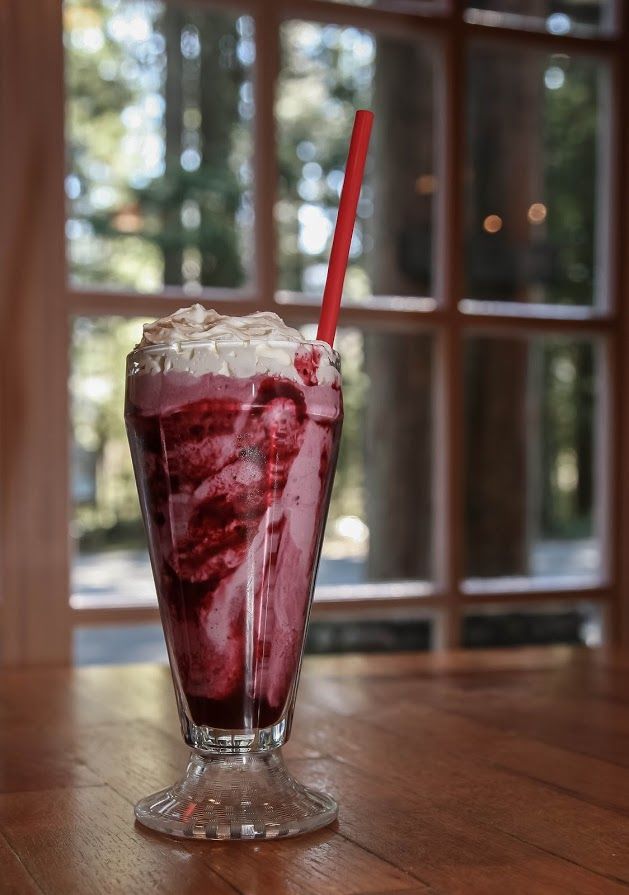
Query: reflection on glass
x=530, y=458
x=327, y=72
x=379, y=526
x=159, y=108
x=536, y=177
x=579, y=17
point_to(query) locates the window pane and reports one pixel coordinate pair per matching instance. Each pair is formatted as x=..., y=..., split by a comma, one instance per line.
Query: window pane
x=579, y=623
x=124, y=644
x=536, y=187
x=379, y=526
x=119, y=644
x=327, y=72
x=338, y=634
x=417, y=6
x=530, y=459
x=580, y=17
x=159, y=108
x=380, y=521
x=110, y=562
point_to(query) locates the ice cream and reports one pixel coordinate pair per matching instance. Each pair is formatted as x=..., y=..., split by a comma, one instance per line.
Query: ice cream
x=239, y=346
x=234, y=425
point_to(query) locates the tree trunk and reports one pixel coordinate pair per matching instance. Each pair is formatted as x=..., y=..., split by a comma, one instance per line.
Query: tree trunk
x=398, y=420
x=220, y=78
x=172, y=22
x=585, y=426
x=495, y=458
x=508, y=174
x=398, y=455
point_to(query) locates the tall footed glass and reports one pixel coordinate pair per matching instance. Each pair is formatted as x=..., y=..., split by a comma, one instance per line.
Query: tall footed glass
x=234, y=461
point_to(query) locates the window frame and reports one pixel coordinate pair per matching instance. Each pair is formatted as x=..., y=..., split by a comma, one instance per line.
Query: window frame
x=37, y=586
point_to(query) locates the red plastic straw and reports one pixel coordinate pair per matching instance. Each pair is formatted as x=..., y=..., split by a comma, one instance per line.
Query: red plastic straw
x=341, y=241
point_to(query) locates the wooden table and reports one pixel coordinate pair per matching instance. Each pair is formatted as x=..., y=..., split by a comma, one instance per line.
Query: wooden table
x=498, y=772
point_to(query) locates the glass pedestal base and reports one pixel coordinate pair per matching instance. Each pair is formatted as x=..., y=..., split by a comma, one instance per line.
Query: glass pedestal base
x=249, y=796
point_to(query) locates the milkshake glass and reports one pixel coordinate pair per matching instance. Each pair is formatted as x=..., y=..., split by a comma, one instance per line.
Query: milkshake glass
x=234, y=425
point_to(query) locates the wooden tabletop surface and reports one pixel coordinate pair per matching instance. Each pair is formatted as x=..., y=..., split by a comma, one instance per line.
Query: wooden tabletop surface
x=497, y=772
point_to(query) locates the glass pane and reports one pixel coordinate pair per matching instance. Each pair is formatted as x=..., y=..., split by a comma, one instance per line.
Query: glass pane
x=536, y=185
x=335, y=634
x=579, y=17
x=379, y=527
x=327, y=72
x=380, y=522
x=124, y=644
x=417, y=6
x=159, y=108
x=110, y=562
x=578, y=623
x=119, y=644
x=530, y=459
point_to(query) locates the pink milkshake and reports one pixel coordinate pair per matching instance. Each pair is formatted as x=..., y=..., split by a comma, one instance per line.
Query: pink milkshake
x=234, y=424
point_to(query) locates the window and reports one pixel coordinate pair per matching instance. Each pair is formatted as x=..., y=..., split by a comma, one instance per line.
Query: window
x=194, y=151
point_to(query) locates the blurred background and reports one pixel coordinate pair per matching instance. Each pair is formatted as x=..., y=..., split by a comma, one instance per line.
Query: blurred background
x=204, y=149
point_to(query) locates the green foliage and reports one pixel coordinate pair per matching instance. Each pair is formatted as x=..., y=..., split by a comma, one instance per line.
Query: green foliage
x=98, y=350
x=570, y=149
x=128, y=141
x=348, y=494
x=326, y=74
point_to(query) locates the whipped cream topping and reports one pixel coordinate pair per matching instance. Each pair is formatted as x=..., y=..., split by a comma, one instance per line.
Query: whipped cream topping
x=232, y=346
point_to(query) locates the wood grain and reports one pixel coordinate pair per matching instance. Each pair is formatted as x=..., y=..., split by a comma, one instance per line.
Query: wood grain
x=454, y=852
x=84, y=841
x=24, y=769
x=475, y=773
x=326, y=862
x=15, y=878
